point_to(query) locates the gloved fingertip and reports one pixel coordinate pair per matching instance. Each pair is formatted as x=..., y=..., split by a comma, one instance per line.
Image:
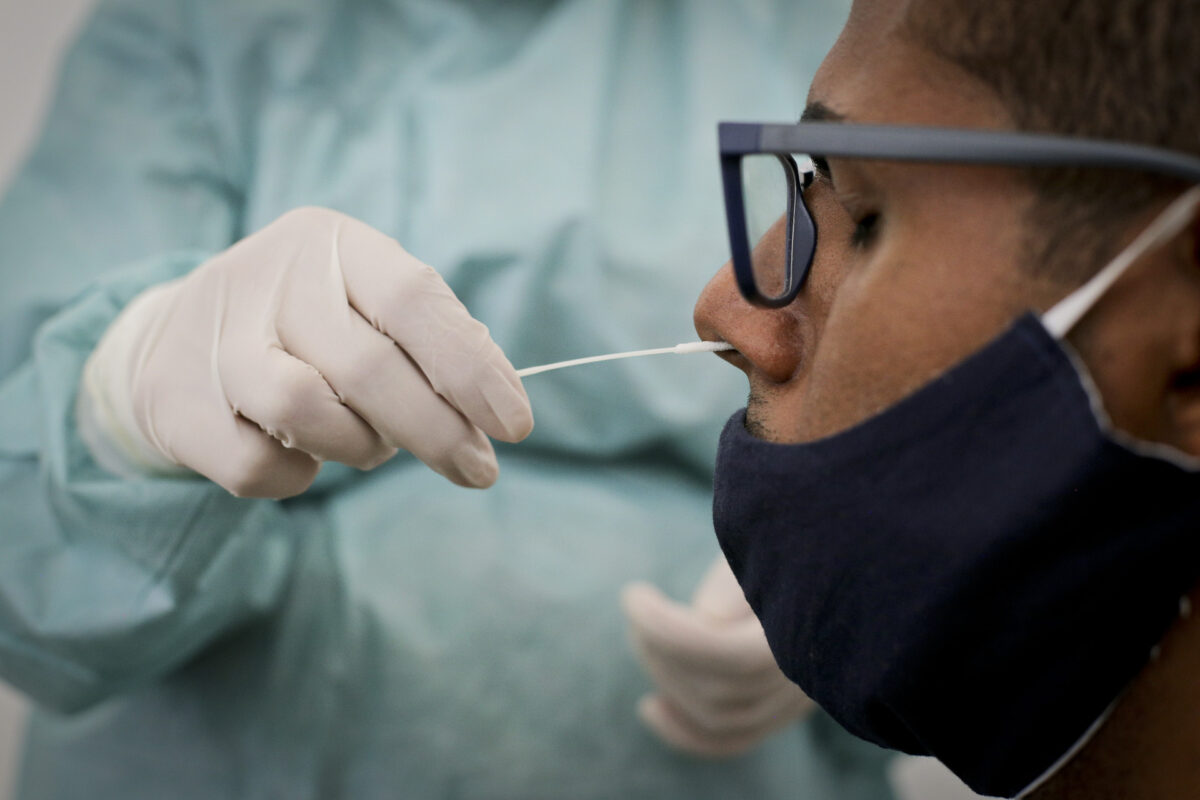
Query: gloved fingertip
x=649, y=711
x=475, y=468
x=636, y=596
x=517, y=423
x=520, y=429
x=505, y=397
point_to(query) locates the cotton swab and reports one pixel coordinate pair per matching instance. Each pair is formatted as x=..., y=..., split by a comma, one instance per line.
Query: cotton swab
x=679, y=349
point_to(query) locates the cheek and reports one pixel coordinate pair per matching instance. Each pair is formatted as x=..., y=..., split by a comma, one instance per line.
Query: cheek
x=852, y=366
x=928, y=291
x=835, y=256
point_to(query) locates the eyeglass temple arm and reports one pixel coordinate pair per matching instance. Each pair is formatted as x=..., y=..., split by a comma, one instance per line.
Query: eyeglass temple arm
x=951, y=145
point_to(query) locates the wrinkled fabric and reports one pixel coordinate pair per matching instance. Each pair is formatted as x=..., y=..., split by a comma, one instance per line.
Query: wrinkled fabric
x=387, y=634
x=1000, y=568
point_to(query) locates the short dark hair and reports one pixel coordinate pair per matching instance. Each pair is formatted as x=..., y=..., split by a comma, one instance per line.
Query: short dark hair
x=1113, y=69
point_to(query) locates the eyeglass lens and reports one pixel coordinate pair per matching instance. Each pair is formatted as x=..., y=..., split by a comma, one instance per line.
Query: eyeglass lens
x=781, y=243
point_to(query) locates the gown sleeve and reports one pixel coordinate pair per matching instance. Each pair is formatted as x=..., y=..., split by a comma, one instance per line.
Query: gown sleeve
x=107, y=583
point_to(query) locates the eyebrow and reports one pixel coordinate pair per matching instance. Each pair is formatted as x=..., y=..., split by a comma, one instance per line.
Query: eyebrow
x=819, y=112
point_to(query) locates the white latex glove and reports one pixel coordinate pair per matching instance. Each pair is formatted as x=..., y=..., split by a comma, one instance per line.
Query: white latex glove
x=720, y=692
x=317, y=338
x=925, y=778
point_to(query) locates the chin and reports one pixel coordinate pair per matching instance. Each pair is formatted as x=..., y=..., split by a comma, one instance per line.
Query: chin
x=756, y=420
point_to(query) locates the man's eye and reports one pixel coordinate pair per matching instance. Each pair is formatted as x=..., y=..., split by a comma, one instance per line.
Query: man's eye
x=864, y=230
x=820, y=166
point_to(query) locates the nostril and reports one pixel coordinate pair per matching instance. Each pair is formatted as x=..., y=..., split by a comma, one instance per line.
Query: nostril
x=769, y=342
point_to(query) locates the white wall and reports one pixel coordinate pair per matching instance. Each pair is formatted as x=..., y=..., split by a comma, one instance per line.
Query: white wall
x=32, y=36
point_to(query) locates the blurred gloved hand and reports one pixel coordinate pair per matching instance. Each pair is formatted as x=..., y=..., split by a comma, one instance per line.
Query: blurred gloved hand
x=317, y=338
x=719, y=690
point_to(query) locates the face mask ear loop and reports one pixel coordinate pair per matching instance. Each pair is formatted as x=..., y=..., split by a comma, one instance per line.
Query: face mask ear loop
x=1060, y=319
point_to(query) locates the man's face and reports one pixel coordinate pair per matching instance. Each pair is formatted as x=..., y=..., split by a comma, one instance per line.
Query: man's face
x=917, y=265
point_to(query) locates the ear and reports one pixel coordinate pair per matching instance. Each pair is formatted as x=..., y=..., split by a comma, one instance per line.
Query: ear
x=1196, y=239
x=1183, y=395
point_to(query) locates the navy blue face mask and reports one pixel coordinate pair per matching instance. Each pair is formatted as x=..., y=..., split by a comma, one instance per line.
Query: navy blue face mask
x=977, y=572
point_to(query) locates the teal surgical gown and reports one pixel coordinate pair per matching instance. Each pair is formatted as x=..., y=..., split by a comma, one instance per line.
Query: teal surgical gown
x=387, y=634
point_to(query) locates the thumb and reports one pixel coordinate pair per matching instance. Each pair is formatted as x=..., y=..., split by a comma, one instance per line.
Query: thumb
x=719, y=597
x=664, y=624
x=651, y=611
x=678, y=633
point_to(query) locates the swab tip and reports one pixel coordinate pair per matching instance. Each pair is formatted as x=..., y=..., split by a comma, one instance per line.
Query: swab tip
x=702, y=347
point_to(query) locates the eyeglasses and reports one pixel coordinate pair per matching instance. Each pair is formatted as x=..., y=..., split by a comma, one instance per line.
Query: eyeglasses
x=764, y=180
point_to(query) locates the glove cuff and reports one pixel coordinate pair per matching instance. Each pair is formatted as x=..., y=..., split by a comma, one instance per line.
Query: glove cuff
x=104, y=408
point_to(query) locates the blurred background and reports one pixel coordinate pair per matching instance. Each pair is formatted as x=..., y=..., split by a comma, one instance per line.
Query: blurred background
x=32, y=38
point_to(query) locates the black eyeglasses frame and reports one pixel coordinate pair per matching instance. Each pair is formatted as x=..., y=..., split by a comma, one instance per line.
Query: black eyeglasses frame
x=901, y=143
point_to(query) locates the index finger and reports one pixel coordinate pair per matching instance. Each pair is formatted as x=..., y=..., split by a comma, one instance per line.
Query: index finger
x=410, y=303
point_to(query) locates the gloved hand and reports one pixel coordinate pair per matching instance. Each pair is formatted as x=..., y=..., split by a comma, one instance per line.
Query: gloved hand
x=317, y=338
x=720, y=692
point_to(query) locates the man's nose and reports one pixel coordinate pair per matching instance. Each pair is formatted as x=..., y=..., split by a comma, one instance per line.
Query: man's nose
x=769, y=340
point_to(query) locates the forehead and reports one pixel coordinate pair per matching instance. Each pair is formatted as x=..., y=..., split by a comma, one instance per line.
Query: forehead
x=877, y=72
